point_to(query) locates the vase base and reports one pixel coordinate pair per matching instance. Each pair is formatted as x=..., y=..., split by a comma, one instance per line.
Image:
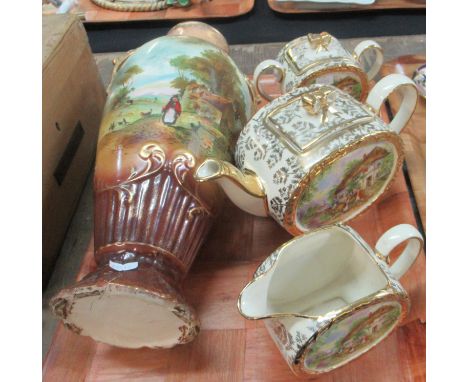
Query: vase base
x=130, y=309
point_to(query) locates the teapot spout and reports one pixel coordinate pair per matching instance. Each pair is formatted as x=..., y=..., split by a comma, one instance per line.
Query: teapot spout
x=243, y=188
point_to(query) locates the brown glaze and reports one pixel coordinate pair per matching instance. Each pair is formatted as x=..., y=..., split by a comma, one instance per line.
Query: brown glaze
x=158, y=215
x=150, y=215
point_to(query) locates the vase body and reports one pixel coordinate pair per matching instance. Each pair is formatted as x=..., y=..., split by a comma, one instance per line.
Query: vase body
x=172, y=103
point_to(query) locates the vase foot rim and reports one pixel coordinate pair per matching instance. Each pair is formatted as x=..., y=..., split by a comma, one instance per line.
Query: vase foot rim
x=128, y=316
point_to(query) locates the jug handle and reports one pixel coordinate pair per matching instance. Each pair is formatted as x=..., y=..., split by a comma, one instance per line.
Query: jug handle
x=364, y=47
x=395, y=83
x=278, y=70
x=395, y=236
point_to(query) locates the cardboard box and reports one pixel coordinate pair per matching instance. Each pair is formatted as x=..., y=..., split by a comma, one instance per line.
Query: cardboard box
x=73, y=98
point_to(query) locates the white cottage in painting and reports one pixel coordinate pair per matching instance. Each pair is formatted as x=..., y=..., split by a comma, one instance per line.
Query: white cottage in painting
x=358, y=179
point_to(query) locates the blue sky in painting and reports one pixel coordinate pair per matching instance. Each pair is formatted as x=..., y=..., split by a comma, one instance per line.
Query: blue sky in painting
x=154, y=58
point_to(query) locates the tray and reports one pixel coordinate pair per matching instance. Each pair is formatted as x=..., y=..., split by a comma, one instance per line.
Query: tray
x=414, y=135
x=92, y=13
x=296, y=7
x=230, y=348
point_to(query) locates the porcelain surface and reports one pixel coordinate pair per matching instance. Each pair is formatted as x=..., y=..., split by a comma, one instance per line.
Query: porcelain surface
x=315, y=156
x=172, y=103
x=321, y=59
x=419, y=79
x=283, y=142
x=319, y=319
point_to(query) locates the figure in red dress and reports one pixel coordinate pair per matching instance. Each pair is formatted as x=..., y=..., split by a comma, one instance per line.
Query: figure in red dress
x=171, y=111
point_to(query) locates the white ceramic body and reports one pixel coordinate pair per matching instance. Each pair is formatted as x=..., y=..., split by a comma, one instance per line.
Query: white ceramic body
x=327, y=279
x=288, y=148
x=321, y=59
x=419, y=79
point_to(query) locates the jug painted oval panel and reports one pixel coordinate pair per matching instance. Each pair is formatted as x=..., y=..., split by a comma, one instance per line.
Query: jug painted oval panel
x=347, y=186
x=351, y=336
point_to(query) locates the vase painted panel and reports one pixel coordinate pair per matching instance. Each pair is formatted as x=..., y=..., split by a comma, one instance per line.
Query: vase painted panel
x=346, y=185
x=348, y=338
x=179, y=90
x=171, y=103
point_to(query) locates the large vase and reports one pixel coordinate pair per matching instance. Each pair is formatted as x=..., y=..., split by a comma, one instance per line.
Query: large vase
x=172, y=103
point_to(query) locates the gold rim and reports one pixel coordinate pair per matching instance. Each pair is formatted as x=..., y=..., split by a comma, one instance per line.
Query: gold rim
x=388, y=289
x=289, y=219
x=341, y=68
x=332, y=130
x=381, y=296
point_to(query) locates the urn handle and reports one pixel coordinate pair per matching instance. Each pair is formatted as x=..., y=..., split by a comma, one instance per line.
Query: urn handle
x=398, y=84
x=118, y=62
x=365, y=47
x=395, y=236
x=278, y=70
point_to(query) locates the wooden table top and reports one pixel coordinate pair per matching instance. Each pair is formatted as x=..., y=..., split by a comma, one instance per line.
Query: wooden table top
x=230, y=348
x=200, y=9
x=304, y=7
x=414, y=135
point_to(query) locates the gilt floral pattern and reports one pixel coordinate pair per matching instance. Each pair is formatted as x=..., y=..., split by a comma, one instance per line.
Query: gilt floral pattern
x=299, y=54
x=339, y=338
x=268, y=143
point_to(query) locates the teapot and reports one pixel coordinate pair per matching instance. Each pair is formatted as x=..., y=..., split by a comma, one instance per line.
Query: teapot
x=315, y=156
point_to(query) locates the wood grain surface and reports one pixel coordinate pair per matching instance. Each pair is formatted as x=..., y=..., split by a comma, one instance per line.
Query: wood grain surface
x=414, y=135
x=230, y=348
x=295, y=7
x=199, y=10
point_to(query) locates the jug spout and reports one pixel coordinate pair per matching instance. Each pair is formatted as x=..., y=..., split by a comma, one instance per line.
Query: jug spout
x=252, y=302
x=243, y=188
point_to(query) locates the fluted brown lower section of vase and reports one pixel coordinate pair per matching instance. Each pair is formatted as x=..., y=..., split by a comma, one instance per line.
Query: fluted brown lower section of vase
x=151, y=218
x=148, y=229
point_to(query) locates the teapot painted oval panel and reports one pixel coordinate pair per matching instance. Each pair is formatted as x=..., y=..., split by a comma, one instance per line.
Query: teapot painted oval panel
x=346, y=185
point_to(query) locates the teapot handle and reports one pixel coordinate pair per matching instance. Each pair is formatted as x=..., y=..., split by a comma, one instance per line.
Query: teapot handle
x=365, y=46
x=265, y=65
x=388, y=85
x=395, y=236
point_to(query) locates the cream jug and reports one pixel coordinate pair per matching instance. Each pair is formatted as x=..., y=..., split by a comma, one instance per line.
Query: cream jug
x=327, y=297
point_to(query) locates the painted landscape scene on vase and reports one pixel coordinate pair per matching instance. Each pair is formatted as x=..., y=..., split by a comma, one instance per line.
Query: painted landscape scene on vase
x=180, y=92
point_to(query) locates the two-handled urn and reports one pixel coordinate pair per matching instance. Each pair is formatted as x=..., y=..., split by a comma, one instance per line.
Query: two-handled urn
x=172, y=103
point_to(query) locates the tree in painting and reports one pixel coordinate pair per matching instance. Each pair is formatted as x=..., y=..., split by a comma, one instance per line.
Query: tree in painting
x=124, y=80
x=206, y=67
